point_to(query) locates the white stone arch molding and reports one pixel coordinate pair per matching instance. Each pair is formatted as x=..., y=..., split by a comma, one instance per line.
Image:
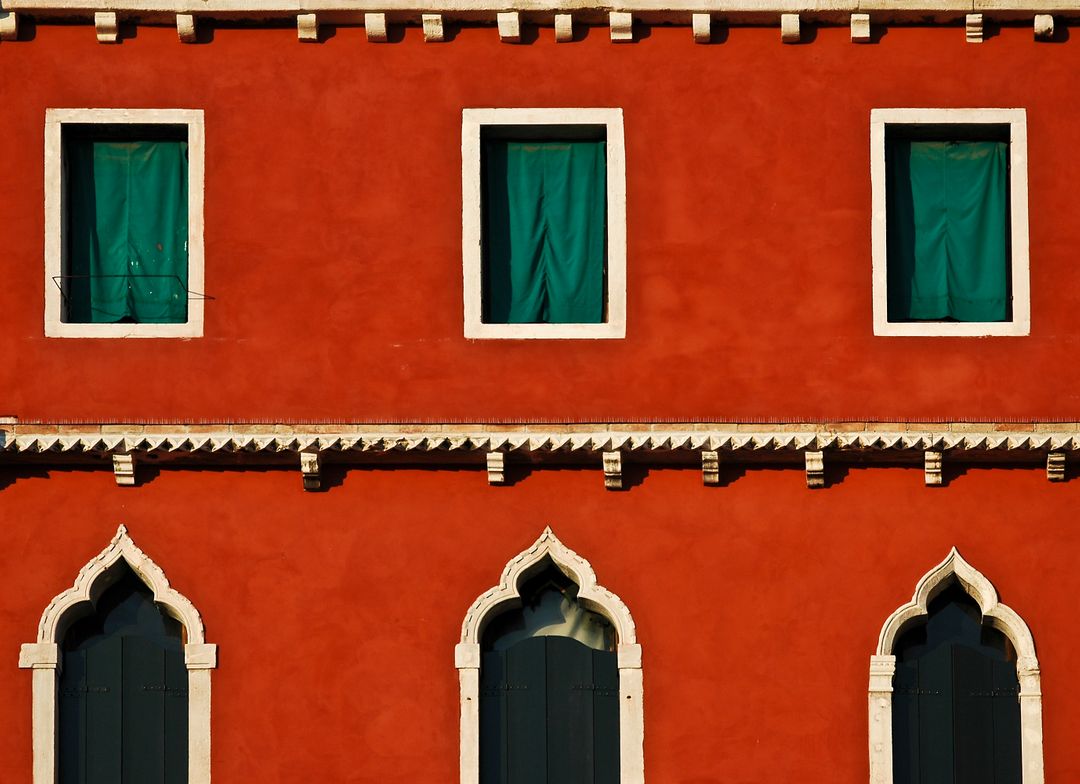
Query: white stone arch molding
x=594, y=597
x=998, y=615
x=43, y=656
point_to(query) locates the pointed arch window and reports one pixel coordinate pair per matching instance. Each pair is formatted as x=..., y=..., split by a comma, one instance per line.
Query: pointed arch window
x=550, y=674
x=121, y=683
x=954, y=687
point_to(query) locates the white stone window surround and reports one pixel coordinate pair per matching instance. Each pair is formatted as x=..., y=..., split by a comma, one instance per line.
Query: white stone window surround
x=473, y=121
x=505, y=596
x=1016, y=120
x=43, y=656
x=1002, y=618
x=56, y=219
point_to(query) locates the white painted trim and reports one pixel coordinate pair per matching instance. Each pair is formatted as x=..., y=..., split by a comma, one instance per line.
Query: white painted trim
x=1016, y=119
x=472, y=123
x=56, y=220
x=1002, y=618
x=43, y=656
x=506, y=595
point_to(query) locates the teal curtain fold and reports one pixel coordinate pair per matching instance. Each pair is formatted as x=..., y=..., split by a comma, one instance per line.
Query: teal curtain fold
x=545, y=231
x=948, y=230
x=128, y=231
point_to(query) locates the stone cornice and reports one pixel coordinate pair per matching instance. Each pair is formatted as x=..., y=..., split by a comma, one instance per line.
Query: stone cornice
x=507, y=17
x=434, y=439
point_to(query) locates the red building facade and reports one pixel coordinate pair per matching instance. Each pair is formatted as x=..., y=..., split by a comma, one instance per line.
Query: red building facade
x=759, y=477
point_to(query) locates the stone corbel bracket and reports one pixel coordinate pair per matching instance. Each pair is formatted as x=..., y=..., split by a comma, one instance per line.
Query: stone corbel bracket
x=613, y=470
x=434, y=31
x=9, y=26
x=107, y=27
x=1055, y=466
x=509, y=24
x=187, y=28
x=932, y=475
x=815, y=469
x=496, y=468
x=124, y=470
x=311, y=470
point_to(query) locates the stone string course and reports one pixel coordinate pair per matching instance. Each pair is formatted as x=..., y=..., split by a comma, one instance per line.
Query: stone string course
x=539, y=438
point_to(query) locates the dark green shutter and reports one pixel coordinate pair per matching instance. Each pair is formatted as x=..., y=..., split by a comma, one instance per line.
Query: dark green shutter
x=123, y=692
x=545, y=231
x=947, y=230
x=956, y=715
x=549, y=714
x=127, y=231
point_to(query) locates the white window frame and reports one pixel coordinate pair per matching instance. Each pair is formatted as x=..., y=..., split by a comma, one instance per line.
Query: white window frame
x=1016, y=120
x=43, y=656
x=883, y=665
x=506, y=595
x=473, y=121
x=56, y=220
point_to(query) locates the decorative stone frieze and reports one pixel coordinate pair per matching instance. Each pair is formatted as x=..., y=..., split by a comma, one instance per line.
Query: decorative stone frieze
x=564, y=28
x=107, y=27
x=702, y=27
x=124, y=470
x=790, y=28
x=307, y=28
x=815, y=469
x=860, y=28
x=1044, y=27
x=433, y=28
x=622, y=26
x=973, y=24
x=509, y=27
x=932, y=468
x=710, y=467
x=311, y=470
x=613, y=471
x=1055, y=466
x=375, y=28
x=496, y=468
x=187, y=28
x=9, y=26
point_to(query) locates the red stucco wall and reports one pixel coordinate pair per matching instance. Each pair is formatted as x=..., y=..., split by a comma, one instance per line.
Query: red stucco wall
x=757, y=604
x=333, y=228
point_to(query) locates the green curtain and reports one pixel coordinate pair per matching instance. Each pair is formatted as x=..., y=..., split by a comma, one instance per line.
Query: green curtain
x=128, y=231
x=545, y=231
x=948, y=230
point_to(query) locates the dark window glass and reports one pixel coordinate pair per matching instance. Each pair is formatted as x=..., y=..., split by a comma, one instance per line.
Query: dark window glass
x=956, y=710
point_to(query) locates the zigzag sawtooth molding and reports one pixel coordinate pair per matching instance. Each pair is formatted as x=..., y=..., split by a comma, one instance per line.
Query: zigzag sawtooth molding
x=432, y=15
x=101, y=441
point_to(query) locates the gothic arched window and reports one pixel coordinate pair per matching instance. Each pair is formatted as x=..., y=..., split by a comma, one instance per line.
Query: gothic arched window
x=955, y=695
x=123, y=691
x=549, y=689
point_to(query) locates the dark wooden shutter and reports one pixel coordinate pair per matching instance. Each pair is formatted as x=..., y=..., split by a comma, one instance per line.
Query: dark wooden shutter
x=956, y=718
x=549, y=714
x=123, y=692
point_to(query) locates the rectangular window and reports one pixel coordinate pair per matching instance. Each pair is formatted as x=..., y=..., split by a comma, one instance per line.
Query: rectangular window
x=544, y=223
x=123, y=223
x=950, y=222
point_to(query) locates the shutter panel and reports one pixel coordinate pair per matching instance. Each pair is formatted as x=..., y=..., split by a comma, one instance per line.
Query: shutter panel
x=569, y=711
x=526, y=713
x=176, y=718
x=973, y=716
x=144, y=711
x=493, y=708
x=906, y=723
x=72, y=727
x=104, y=711
x=1007, y=755
x=935, y=717
x=606, y=717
